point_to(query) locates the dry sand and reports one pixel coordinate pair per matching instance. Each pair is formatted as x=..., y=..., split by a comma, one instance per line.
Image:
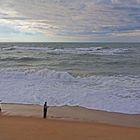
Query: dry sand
x=24, y=122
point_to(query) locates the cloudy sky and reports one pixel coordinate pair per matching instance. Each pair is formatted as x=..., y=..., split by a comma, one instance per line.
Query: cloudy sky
x=70, y=20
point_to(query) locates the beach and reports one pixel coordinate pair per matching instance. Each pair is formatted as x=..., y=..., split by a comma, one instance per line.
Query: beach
x=22, y=121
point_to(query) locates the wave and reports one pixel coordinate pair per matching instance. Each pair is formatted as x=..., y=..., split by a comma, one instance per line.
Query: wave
x=24, y=59
x=110, y=93
x=50, y=74
x=73, y=50
x=11, y=48
x=91, y=50
x=30, y=59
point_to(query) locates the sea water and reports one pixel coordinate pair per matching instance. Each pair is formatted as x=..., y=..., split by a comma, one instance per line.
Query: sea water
x=103, y=76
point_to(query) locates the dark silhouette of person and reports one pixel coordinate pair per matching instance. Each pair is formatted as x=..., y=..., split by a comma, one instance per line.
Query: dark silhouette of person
x=45, y=110
x=0, y=106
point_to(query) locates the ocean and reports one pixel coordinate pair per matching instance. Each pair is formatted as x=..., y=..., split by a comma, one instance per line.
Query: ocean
x=102, y=76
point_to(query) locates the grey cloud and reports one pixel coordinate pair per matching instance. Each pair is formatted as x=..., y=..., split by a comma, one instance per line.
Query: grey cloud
x=87, y=18
x=126, y=2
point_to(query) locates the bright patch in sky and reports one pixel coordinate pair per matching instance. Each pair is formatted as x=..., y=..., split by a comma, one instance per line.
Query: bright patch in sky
x=69, y=20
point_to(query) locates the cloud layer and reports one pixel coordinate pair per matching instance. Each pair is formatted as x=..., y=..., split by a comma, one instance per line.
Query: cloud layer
x=73, y=19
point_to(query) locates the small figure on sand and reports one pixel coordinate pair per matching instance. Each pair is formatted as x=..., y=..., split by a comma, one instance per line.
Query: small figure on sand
x=0, y=106
x=45, y=110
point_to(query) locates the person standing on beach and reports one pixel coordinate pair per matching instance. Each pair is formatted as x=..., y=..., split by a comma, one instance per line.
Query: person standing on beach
x=0, y=106
x=45, y=110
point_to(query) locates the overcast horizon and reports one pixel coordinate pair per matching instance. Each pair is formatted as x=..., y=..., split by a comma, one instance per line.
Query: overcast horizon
x=69, y=21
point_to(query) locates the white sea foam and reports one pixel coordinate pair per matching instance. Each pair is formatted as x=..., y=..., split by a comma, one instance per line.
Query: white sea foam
x=88, y=50
x=110, y=93
x=25, y=48
x=91, y=50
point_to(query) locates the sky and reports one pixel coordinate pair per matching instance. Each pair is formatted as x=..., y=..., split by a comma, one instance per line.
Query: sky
x=69, y=20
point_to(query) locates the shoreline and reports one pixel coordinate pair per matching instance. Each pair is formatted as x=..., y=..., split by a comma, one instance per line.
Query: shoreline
x=71, y=113
x=31, y=104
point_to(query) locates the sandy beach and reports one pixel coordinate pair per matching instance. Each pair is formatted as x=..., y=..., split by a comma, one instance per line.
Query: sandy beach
x=25, y=122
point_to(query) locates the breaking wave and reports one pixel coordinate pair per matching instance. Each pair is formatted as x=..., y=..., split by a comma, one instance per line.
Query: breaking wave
x=88, y=50
x=110, y=93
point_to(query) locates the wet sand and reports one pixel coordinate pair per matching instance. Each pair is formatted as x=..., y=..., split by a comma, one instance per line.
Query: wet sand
x=25, y=122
